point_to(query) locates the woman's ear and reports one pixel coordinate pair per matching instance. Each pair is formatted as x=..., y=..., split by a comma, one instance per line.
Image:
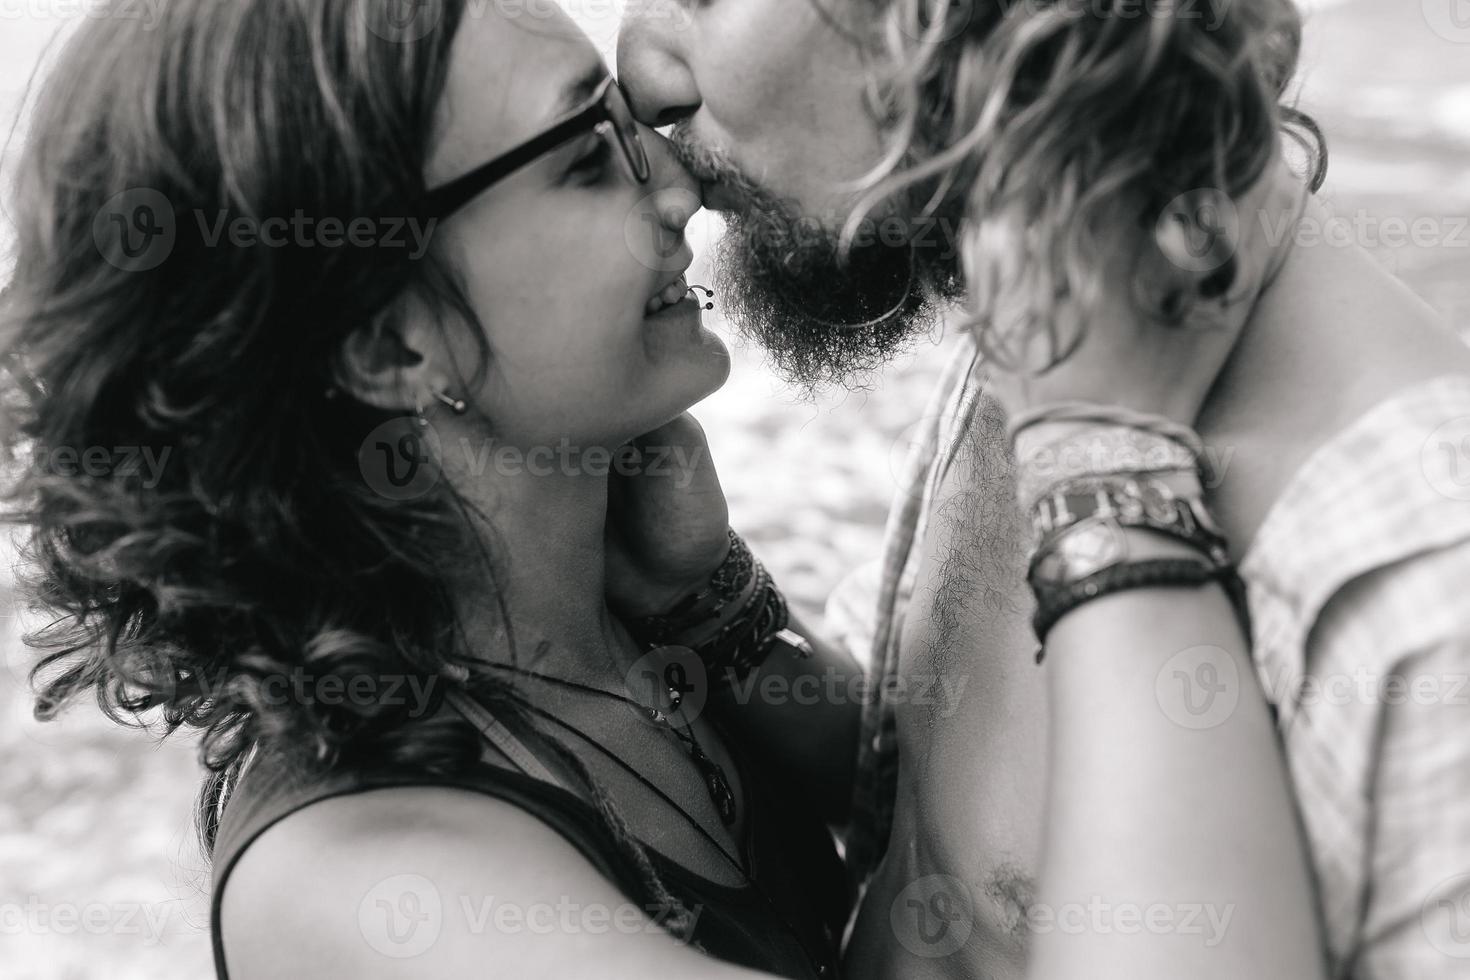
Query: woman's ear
x=380, y=364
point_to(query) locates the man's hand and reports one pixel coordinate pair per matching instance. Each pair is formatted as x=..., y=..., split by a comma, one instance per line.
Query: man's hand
x=667, y=521
x=1126, y=357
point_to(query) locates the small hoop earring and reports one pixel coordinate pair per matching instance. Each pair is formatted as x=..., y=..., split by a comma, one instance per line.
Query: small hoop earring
x=696, y=290
x=457, y=405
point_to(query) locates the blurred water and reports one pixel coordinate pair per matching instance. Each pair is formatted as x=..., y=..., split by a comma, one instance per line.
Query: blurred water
x=92, y=815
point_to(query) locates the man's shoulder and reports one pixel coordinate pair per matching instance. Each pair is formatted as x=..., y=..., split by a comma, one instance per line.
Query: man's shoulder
x=1389, y=490
x=1362, y=641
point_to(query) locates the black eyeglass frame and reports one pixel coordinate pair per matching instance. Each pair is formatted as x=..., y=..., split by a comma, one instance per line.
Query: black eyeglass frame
x=606, y=112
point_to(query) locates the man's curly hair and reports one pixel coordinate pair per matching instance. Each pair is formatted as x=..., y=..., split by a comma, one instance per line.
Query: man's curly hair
x=1042, y=121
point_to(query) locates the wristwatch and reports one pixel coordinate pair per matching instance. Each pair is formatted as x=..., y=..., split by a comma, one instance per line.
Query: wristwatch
x=1081, y=549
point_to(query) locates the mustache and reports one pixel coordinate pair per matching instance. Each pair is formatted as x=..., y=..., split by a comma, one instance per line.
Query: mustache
x=824, y=312
x=711, y=165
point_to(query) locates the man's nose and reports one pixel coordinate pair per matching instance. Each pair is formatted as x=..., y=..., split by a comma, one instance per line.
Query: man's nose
x=653, y=61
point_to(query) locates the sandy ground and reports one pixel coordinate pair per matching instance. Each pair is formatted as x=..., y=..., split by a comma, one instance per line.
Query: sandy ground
x=99, y=874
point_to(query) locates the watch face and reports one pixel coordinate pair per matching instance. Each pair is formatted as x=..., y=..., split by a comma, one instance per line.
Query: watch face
x=1090, y=547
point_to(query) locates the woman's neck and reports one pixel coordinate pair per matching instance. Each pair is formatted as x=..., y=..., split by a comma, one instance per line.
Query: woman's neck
x=544, y=534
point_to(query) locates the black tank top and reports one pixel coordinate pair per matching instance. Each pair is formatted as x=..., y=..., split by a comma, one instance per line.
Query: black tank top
x=791, y=855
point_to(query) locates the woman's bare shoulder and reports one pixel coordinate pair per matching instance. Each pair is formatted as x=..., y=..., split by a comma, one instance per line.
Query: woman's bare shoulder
x=363, y=878
x=435, y=882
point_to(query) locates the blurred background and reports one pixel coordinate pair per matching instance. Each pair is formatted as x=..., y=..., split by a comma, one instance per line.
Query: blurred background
x=100, y=875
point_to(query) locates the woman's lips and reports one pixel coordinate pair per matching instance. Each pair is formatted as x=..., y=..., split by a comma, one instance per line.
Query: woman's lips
x=670, y=296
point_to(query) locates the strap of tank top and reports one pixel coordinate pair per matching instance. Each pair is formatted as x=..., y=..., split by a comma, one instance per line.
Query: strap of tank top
x=501, y=737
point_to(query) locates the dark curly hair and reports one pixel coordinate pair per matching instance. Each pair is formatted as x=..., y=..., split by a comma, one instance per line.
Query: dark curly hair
x=254, y=550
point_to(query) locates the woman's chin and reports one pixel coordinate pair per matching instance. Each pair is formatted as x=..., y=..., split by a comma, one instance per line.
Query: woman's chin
x=695, y=373
x=679, y=331
x=709, y=370
x=719, y=356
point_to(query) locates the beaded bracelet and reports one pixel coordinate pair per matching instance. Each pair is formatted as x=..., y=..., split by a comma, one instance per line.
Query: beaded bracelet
x=1132, y=502
x=1096, y=452
x=746, y=640
x=733, y=583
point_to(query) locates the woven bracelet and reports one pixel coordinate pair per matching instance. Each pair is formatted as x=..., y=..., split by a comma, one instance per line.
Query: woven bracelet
x=1054, y=603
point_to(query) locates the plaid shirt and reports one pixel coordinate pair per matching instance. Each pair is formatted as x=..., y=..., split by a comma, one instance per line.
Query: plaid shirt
x=1361, y=629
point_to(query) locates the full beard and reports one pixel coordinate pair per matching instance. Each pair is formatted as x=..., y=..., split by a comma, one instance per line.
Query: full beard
x=826, y=316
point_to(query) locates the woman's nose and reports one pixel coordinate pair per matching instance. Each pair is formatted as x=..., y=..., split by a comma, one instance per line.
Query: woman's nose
x=655, y=227
x=675, y=197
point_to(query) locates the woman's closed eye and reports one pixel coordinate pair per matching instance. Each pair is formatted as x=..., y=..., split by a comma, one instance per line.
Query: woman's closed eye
x=592, y=166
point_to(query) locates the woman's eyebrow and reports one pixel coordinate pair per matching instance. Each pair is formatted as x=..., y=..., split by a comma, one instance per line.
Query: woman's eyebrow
x=579, y=90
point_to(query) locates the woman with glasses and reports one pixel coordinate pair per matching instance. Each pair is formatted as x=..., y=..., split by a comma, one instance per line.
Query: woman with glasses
x=393, y=294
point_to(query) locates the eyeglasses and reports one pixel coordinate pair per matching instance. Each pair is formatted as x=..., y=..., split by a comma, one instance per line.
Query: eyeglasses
x=606, y=113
